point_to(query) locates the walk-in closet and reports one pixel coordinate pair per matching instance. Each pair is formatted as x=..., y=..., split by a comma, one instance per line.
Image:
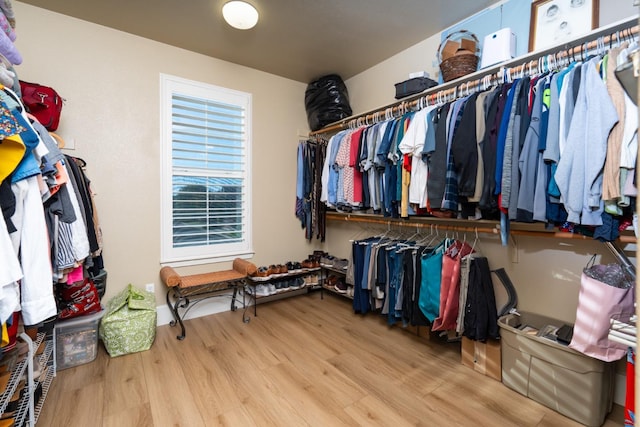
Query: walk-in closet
x=336, y=213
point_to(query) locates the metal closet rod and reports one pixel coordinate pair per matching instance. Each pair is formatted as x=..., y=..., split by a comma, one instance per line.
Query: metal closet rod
x=527, y=64
x=484, y=228
x=402, y=223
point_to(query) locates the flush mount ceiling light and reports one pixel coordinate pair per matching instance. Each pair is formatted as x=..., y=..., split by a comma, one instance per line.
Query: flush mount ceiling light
x=240, y=15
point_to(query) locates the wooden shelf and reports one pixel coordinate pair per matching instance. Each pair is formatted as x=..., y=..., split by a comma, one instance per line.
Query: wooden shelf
x=467, y=226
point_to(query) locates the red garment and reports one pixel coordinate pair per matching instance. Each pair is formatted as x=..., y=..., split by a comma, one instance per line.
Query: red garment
x=354, y=155
x=630, y=398
x=450, y=287
x=406, y=162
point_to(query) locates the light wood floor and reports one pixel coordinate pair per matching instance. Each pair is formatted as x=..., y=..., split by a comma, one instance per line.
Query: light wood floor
x=302, y=362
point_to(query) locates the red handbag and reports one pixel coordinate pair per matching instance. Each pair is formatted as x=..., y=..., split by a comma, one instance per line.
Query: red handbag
x=43, y=102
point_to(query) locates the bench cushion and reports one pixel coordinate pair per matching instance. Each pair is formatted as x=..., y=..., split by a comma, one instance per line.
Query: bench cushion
x=241, y=268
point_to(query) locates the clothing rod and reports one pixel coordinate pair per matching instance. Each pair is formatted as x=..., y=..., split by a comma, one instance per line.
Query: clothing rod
x=485, y=228
x=565, y=235
x=623, y=327
x=401, y=223
x=626, y=263
x=622, y=335
x=526, y=64
x=622, y=341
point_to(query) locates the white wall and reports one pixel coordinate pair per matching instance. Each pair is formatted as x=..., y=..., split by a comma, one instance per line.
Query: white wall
x=110, y=80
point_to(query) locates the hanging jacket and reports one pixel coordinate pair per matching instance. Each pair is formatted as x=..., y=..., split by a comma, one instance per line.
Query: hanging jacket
x=579, y=172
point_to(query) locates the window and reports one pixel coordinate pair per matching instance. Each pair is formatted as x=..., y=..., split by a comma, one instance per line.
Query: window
x=205, y=172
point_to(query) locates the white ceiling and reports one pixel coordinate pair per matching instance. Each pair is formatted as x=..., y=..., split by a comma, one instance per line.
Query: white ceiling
x=297, y=39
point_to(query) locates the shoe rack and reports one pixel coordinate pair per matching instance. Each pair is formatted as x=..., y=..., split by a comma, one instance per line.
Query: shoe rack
x=327, y=285
x=28, y=376
x=277, y=292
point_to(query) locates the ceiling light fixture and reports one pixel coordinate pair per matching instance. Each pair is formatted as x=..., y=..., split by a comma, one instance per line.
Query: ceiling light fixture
x=240, y=15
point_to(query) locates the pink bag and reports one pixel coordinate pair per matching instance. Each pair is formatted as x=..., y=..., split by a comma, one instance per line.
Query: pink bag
x=605, y=293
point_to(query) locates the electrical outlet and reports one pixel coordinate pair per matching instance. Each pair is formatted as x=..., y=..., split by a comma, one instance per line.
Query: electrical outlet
x=150, y=287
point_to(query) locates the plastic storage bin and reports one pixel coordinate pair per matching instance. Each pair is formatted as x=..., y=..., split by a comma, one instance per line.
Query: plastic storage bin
x=77, y=340
x=577, y=386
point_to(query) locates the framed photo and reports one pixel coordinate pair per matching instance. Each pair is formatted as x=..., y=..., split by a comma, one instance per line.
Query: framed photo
x=556, y=21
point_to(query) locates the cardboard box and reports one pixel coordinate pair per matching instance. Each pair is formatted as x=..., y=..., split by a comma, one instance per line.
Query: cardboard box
x=483, y=357
x=449, y=49
x=468, y=44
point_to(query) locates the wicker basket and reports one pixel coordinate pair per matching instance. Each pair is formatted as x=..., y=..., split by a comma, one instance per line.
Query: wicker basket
x=463, y=62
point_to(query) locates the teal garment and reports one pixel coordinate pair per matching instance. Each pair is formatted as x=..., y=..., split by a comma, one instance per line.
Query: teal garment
x=431, y=265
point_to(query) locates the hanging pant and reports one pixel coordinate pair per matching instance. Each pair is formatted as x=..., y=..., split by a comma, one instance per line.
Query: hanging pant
x=360, y=296
x=481, y=317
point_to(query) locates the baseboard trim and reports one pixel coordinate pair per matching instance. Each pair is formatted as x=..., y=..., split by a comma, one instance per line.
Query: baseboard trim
x=202, y=308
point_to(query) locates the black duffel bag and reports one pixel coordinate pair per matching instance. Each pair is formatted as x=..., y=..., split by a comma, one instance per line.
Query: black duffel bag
x=413, y=86
x=326, y=101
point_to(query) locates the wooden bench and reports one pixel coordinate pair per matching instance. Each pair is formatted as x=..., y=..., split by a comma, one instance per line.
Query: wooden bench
x=184, y=291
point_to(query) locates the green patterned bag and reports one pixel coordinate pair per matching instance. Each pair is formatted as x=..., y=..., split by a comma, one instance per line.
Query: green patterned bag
x=129, y=323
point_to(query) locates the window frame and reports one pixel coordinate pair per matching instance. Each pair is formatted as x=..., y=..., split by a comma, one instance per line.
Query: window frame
x=202, y=254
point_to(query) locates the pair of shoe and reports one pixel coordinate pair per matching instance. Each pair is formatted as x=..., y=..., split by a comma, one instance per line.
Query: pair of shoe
x=282, y=286
x=265, y=273
x=78, y=298
x=263, y=290
x=340, y=286
x=340, y=263
x=311, y=280
x=336, y=283
x=331, y=280
x=310, y=263
x=83, y=308
x=278, y=270
x=327, y=260
x=262, y=273
x=294, y=267
x=297, y=283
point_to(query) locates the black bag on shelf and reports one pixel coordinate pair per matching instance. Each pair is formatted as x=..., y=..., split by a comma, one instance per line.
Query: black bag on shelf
x=413, y=86
x=326, y=101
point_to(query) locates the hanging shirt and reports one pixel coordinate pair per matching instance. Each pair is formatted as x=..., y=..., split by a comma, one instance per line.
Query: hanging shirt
x=413, y=144
x=345, y=172
x=579, y=172
x=464, y=148
x=330, y=172
x=354, y=167
x=505, y=118
x=528, y=161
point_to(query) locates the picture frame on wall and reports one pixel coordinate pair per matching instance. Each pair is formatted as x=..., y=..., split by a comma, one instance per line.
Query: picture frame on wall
x=556, y=21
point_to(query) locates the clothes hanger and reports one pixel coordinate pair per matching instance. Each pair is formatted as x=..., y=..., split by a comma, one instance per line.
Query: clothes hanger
x=475, y=241
x=416, y=234
x=436, y=236
x=529, y=68
x=454, y=94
